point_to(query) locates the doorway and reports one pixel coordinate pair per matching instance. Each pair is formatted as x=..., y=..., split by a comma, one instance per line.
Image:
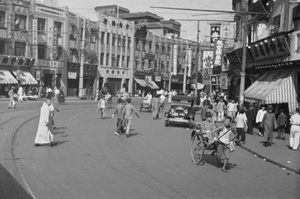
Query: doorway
x=48, y=80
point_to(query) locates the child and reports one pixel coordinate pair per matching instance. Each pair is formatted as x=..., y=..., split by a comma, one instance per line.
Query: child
x=101, y=107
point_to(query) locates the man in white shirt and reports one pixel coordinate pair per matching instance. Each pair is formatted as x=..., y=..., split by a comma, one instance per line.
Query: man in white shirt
x=259, y=118
x=295, y=130
x=20, y=94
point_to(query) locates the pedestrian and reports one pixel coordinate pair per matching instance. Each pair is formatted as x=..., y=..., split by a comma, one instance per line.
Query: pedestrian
x=155, y=107
x=215, y=115
x=211, y=111
x=162, y=100
x=203, y=112
x=61, y=96
x=128, y=116
x=52, y=109
x=295, y=130
x=11, y=94
x=101, y=107
x=147, y=99
x=282, y=122
x=49, y=92
x=251, y=115
x=269, y=123
x=258, y=120
x=119, y=113
x=230, y=109
x=44, y=133
x=235, y=105
x=223, y=148
x=20, y=94
x=221, y=108
x=241, y=126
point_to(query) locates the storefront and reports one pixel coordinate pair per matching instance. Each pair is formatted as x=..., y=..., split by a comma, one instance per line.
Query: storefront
x=114, y=79
x=144, y=82
x=89, y=77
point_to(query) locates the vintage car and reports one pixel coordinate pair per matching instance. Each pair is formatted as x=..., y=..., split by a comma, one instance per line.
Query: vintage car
x=182, y=110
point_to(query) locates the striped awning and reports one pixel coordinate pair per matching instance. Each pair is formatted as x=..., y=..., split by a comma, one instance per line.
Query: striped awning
x=141, y=82
x=275, y=87
x=7, y=78
x=26, y=78
x=151, y=84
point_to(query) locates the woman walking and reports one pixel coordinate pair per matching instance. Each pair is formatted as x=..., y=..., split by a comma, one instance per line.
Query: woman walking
x=241, y=126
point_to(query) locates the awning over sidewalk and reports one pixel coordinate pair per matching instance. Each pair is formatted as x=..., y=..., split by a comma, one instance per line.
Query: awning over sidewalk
x=26, y=78
x=199, y=86
x=275, y=87
x=7, y=78
x=141, y=82
x=152, y=84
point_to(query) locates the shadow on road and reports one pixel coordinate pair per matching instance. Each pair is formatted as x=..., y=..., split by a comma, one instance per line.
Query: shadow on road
x=207, y=158
x=9, y=187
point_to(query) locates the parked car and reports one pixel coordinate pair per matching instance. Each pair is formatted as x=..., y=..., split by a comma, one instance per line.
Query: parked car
x=182, y=110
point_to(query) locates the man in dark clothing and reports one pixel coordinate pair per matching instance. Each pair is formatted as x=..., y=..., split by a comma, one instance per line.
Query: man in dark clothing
x=203, y=112
x=119, y=114
x=269, y=123
x=281, y=122
x=251, y=115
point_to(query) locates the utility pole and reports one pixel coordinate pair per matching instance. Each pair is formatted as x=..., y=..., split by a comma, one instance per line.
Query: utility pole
x=244, y=40
x=197, y=60
x=82, y=57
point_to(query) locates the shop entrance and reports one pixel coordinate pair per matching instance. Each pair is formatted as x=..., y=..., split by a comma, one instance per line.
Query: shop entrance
x=48, y=80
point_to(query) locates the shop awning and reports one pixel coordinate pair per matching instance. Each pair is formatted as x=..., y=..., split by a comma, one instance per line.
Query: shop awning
x=199, y=86
x=152, y=84
x=26, y=78
x=141, y=82
x=275, y=87
x=7, y=78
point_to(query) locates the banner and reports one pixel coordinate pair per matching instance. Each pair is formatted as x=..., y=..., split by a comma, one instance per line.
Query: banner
x=214, y=33
x=189, y=51
x=208, y=59
x=55, y=42
x=72, y=75
x=218, y=53
x=175, y=54
x=35, y=40
x=224, y=81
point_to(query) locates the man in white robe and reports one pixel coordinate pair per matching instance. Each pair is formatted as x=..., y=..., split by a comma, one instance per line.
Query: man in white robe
x=44, y=132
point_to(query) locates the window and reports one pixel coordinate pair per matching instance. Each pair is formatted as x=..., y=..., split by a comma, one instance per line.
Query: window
x=107, y=41
x=102, y=37
x=93, y=35
x=101, y=58
x=127, y=64
x=59, y=53
x=2, y=19
x=297, y=24
x=119, y=40
x=118, y=61
x=41, y=25
x=20, y=49
x=41, y=51
x=113, y=61
x=107, y=59
x=74, y=55
x=123, y=61
x=20, y=22
x=124, y=42
x=58, y=25
x=113, y=39
x=128, y=42
x=2, y=47
x=137, y=44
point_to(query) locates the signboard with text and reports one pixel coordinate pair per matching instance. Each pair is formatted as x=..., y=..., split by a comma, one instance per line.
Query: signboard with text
x=215, y=33
x=218, y=53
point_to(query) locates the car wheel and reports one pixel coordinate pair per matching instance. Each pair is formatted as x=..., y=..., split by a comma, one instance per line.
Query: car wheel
x=166, y=123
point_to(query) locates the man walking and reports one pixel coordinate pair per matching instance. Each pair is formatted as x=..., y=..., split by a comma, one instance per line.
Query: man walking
x=295, y=130
x=20, y=94
x=220, y=108
x=119, y=114
x=282, y=122
x=250, y=119
x=259, y=117
x=11, y=94
x=155, y=107
x=128, y=116
x=101, y=107
x=44, y=132
x=269, y=123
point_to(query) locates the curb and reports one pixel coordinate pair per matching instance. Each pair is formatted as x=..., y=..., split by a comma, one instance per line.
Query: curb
x=271, y=161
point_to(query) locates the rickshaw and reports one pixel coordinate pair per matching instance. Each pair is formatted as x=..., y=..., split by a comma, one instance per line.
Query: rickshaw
x=182, y=110
x=203, y=145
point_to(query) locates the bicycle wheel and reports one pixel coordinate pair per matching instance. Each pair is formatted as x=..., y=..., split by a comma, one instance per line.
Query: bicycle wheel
x=197, y=149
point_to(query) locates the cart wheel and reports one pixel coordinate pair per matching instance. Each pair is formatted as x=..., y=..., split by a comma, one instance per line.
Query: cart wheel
x=197, y=149
x=166, y=123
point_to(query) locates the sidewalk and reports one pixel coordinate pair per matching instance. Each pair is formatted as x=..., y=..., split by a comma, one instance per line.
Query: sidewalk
x=278, y=154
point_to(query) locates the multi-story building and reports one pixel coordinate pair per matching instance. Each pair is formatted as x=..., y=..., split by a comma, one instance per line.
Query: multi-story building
x=16, y=60
x=272, y=69
x=115, y=50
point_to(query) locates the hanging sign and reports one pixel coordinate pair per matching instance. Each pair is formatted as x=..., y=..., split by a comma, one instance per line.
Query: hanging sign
x=218, y=53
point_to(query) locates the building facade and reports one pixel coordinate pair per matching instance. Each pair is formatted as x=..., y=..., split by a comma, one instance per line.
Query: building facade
x=272, y=70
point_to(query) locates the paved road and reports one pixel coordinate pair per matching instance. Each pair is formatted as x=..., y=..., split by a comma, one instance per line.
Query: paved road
x=90, y=161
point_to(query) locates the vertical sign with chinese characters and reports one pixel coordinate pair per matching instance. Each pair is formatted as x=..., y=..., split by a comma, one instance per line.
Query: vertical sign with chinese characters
x=218, y=53
x=189, y=64
x=224, y=81
x=175, y=53
x=214, y=33
x=55, y=42
x=35, y=40
x=208, y=59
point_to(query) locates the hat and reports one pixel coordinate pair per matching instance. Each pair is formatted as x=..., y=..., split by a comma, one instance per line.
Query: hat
x=208, y=114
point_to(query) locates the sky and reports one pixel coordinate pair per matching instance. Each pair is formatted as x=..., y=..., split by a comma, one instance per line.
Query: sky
x=188, y=28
